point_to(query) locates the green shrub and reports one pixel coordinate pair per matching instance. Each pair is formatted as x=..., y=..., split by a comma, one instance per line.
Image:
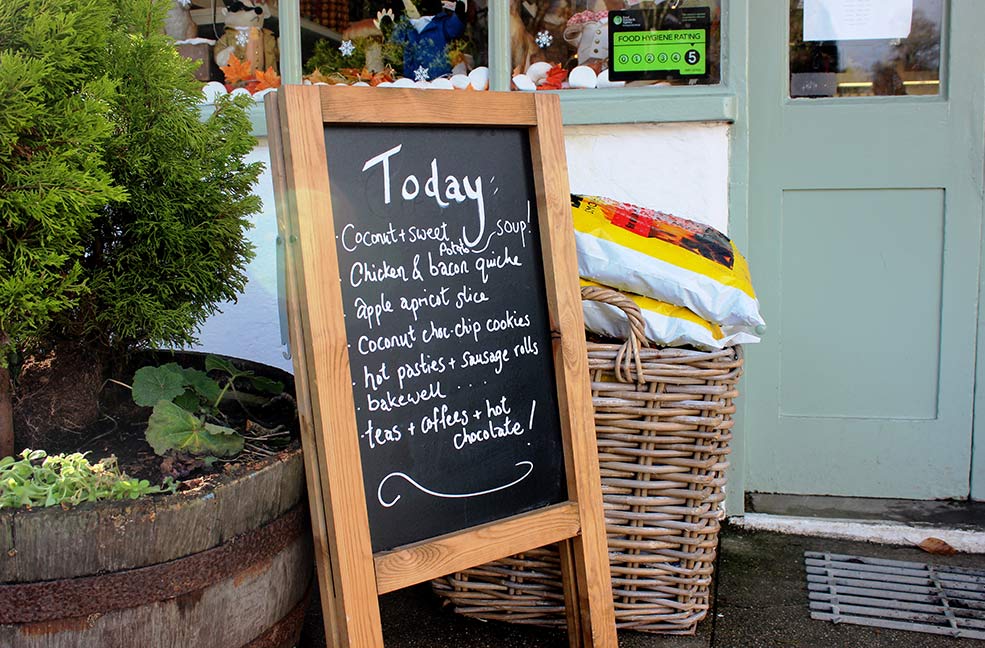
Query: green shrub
x=123, y=213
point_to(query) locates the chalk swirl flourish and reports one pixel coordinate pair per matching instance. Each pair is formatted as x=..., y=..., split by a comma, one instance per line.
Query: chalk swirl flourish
x=410, y=480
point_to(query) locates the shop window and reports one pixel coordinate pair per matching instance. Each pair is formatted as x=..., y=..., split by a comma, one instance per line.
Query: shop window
x=396, y=42
x=553, y=44
x=859, y=49
x=565, y=44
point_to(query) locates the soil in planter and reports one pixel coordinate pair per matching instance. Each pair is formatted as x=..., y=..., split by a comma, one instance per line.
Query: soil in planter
x=57, y=395
x=121, y=424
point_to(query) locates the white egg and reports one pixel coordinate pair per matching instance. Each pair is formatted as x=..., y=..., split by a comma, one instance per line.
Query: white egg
x=260, y=95
x=538, y=71
x=583, y=77
x=384, y=84
x=306, y=82
x=442, y=84
x=479, y=78
x=212, y=90
x=404, y=83
x=360, y=84
x=460, y=81
x=523, y=83
x=240, y=91
x=603, y=81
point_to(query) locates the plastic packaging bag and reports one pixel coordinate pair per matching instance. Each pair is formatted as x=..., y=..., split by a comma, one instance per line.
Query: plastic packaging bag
x=666, y=258
x=665, y=324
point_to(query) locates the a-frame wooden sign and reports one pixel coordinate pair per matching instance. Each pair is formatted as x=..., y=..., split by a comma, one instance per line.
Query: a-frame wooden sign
x=439, y=348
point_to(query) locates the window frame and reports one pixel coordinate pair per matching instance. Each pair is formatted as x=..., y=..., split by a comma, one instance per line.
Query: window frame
x=659, y=104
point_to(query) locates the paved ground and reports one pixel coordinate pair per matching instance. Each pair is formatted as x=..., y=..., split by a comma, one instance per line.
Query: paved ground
x=761, y=601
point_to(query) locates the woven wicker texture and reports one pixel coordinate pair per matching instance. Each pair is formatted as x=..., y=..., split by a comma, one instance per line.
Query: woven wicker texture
x=663, y=419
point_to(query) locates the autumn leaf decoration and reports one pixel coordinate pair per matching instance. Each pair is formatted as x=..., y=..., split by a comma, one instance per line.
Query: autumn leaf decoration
x=237, y=71
x=555, y=78
x=318, y=77
x=268, y=79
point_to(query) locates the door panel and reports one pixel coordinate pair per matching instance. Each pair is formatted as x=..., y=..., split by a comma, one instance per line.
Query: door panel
x=870, y=296
x=864, y=222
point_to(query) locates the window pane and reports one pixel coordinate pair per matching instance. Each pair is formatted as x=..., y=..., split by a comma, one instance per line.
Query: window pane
x=859, y=48
x=394, y=41
x=564, y=44
x=235, y=42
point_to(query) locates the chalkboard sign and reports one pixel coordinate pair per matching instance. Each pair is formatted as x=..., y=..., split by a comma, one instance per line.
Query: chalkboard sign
x=438, y=344
x=447, y=326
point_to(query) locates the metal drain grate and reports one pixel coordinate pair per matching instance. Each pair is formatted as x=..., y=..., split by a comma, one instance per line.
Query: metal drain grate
x=895, y=594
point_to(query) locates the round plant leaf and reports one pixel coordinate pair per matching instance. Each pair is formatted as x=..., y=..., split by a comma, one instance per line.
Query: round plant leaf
x=152, y=384
x=202, y=384
x=187, y=401
x=216, y=363
x=267, y=384
x=172, y=428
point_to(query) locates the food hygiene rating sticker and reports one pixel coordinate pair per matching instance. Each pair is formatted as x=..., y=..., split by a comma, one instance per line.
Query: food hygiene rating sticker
x=658, y=43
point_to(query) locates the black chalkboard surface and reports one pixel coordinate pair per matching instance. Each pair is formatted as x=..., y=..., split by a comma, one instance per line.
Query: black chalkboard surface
x=447, y=326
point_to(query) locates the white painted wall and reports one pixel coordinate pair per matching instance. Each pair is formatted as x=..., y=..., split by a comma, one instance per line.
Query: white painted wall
x=676, y=168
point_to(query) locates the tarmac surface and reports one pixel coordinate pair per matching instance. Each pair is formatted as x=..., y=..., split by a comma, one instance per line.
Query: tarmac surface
x=760, y=601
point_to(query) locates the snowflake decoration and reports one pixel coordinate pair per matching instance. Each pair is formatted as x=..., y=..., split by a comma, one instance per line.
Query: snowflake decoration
x=421, y=74
x=347, y=48
x=242, y=37
x=544, y=39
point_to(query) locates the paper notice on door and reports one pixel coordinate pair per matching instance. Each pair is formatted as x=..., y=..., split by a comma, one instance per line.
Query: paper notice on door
x=833, y=20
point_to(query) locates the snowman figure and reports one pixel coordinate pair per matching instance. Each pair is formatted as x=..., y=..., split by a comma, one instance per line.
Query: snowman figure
x=588, y=32
x=245, y=36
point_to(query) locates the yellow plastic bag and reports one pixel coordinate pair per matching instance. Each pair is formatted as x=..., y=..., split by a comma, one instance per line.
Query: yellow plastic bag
x=665, y=324
x=666, y=258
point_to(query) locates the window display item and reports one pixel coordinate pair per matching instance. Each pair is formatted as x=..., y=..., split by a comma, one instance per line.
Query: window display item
x=333, y=14
x=523, y=45
x=663, y=324
x=179, y=24
x=426, y=37
x=588, y=32
x=245, y=37
x=667, y=258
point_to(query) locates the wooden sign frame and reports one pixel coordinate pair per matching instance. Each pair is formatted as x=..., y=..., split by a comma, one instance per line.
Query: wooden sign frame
x=350, y=576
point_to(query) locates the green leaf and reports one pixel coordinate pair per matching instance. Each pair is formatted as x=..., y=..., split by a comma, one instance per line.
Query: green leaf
x=152, y=384
x=202, y=384
x=216, y=363
x=188, y=401
x=172, y=428
x=267, y=385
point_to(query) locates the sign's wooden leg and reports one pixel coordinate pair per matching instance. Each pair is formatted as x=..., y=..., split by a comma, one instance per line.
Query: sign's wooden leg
x=574, y=606
x=587, y=597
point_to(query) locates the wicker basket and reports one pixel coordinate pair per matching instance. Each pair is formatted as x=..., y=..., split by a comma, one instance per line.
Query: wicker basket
x=663, y=419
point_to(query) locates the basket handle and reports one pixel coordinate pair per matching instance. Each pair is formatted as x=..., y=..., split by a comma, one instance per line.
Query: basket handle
x=628, y=357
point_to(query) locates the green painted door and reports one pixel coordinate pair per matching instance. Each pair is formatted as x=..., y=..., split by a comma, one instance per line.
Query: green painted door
x=865, y=235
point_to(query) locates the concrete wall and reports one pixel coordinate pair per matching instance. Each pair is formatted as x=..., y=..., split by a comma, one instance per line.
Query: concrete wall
x=678, y=168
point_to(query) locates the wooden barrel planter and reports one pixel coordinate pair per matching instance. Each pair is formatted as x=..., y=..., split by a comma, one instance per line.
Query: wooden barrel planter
x=229, y=566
